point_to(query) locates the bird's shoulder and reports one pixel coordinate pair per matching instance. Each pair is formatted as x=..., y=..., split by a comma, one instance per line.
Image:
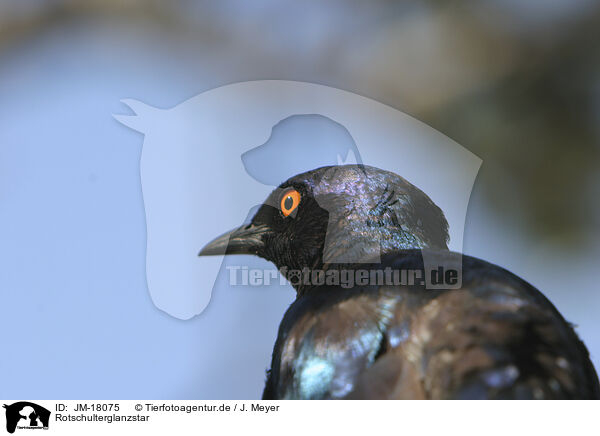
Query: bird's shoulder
x=495, y=336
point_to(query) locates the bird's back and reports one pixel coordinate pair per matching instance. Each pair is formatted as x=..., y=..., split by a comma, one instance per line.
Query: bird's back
x=495, y=337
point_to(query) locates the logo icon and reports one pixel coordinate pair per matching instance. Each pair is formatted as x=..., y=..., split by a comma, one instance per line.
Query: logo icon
x=26, y=415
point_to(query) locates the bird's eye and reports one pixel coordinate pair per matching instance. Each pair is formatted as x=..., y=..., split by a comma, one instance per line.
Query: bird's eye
x=289, y=202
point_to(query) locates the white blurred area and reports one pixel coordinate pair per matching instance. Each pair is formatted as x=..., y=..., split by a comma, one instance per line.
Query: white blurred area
x=494, y=75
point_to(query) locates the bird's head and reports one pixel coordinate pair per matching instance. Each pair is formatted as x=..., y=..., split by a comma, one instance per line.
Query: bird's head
x=337, y=215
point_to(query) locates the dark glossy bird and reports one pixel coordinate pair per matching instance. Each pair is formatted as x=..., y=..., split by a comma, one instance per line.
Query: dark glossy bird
x=385, y=335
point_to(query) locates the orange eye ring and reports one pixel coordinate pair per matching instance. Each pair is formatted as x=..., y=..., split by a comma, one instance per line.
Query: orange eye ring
x=289, y=202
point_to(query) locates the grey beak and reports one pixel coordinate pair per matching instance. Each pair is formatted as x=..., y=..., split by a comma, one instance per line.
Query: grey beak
x=243, y=240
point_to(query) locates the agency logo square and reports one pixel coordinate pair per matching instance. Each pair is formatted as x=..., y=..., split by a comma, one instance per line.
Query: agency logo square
x=24, y=415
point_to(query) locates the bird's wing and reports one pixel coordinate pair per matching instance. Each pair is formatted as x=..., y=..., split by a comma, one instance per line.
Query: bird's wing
x=496, y=337
x=486, y=340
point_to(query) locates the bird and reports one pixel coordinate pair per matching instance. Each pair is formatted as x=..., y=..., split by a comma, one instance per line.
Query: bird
x=487, y=335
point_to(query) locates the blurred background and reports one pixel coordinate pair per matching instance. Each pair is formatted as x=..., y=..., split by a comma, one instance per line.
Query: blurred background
x=517, y=83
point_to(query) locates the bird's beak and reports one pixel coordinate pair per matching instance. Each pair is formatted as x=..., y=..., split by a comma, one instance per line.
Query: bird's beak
x=243, y=240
